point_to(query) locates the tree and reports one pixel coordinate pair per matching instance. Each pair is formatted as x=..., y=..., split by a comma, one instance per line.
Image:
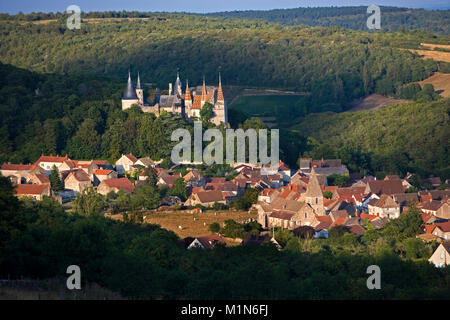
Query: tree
x=339, y=180
x=152, y=176
x=89, y=202
x=206, y=113
x=55, y=180
x=145, y=196
x=304, y=232
x=214, y=227
x=328, y=194
x=179, y=189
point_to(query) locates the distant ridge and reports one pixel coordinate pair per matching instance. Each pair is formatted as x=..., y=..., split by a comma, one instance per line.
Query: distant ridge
x=393, y=18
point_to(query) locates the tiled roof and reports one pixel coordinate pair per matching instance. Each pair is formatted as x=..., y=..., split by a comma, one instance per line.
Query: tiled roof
x=79, y=175
x=429, y=228
x=356, y=229
x=42, y=178
x=211, y=240
x=100, y=162
x=131, y=157
x=386, y=186
x=51, y=158
x=101, y=172
x=210, y=196
x=35, y=189
x=339, y=221
x=446, y=245
x=432, y=205
x=386, y=201
x=120, y=183
x=444, y=226
x=16, y=167
x=284, y=215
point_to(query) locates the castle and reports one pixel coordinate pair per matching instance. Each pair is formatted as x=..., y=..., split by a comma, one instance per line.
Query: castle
x=188, y=103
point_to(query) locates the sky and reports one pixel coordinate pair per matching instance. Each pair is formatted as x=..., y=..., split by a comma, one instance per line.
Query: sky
x=201, y=6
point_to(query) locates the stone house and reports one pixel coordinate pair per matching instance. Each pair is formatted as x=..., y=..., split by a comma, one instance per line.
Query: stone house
x=385, y=207
x=102, y=174
x=442, y=230
x=206, y=198
x=35, y=191
x=115, y=185
x=444, y=211
x=441, y=256
x=125, y=163
x=77, y=180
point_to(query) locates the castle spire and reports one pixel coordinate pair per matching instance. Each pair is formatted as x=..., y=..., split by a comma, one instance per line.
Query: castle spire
x=220, y=92
x=138, y=86
x=130, y=93
x=187, y=96
x=203, y=90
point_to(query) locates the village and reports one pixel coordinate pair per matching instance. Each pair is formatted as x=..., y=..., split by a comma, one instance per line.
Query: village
x=287, y=199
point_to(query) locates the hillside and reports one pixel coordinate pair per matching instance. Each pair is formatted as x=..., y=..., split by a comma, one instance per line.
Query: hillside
x=352, y=17
x=335, y=65
x=398, y=138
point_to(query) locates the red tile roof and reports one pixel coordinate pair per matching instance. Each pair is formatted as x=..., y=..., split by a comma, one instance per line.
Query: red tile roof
x=34, y=189
x=101, y=172
x=16, y=167
x=51, y=158
x=429, y=228
x=120, y=183
x=131, y=157
x=444, y=226
x=42, y=178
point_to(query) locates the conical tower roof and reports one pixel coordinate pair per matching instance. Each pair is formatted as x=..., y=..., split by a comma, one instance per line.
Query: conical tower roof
x=203, y=90
x=220, y=92
x=138, y=85
x=313, y=189
x=187, y=95
x=130, y=93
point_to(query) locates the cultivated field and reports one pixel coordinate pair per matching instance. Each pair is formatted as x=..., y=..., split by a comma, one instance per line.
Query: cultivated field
x=431, y=53
x=170, y=220
x=441, y=83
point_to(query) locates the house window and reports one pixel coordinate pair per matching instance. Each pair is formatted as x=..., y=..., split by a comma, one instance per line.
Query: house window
x=442, y=255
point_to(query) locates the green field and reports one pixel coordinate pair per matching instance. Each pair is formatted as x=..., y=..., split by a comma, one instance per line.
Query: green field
x=281, y=107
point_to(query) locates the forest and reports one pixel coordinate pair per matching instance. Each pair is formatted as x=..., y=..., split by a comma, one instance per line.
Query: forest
x=393, y=18
x=38, y=240
x=60, y=89
x=410, y=137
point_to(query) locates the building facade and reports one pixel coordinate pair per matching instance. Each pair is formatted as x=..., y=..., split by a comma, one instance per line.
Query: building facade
x=187, y=103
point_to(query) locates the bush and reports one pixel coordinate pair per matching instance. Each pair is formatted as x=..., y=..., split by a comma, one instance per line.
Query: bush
x=214, y=227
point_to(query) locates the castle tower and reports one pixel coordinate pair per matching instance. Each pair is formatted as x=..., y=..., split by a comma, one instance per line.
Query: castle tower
x=203, y=98
x=129, y=96
x=178, y=89
x=313, y=195
x=139, y=91
x=220, y=107
x=187, y=100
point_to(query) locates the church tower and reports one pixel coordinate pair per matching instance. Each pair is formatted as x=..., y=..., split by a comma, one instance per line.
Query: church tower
x=129, y=96
x=313, y=195
x=139, y=91
x=187, y=101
